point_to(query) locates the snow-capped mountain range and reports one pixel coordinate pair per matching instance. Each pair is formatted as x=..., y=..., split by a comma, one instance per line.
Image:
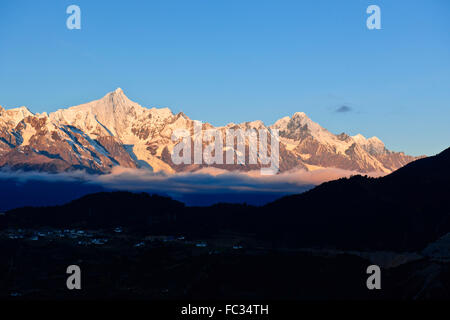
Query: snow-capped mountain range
x=115, y=131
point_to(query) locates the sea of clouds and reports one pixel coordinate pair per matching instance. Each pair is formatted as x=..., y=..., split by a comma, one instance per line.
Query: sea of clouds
x=202, y=187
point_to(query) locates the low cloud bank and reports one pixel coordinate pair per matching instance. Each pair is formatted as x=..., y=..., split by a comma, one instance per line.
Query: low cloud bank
x=203, y=187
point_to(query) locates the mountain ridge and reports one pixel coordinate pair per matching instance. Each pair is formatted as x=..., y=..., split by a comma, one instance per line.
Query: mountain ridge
x=113, y=130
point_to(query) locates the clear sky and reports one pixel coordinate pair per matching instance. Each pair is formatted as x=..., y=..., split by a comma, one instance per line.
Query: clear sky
x=239, y=60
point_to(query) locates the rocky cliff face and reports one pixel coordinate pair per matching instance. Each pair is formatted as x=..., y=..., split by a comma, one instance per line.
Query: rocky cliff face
x=114, y=131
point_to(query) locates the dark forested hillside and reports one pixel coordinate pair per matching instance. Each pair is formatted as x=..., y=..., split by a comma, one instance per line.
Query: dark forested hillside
x=402, y=211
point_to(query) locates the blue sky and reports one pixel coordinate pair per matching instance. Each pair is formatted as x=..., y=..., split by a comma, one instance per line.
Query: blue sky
x=231, y=61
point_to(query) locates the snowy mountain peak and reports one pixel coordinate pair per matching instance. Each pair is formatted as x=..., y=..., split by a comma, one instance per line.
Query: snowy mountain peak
x=301, y=117
x=118, y=97
x=281, y=123
x=299, y=114
x=22, y=110
x=255, y=124
x=375, y=140
x=359, y=138
x=109, y=115
x=15, y=115
x=372, y=145
x=164, y=113
x=298, y=120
